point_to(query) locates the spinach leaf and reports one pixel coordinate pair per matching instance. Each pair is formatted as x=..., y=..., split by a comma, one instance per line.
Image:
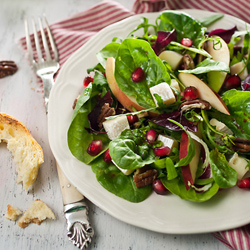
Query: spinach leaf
x=177, y=187
x=208, y=65
x=110, y=50
x=134, y=53
x=185, y=26
x=224, y=175
x=206, y=21
x=123, y=153
x=238, y=103
x=112, y=179
x=77, y=136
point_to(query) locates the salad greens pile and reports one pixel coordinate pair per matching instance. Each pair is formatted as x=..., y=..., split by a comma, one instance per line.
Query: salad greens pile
x=190, y=129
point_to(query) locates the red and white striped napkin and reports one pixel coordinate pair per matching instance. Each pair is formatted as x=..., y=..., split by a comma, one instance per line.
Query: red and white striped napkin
x=75, y=31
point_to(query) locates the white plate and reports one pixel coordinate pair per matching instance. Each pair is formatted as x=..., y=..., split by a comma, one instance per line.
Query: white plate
x=165, y=214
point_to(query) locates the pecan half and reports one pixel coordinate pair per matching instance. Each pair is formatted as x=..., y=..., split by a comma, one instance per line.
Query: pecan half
x=193, y=104
x=7, y=68
x=188, y=62
x=144, y=176
x=241, y=145
x=105, y=112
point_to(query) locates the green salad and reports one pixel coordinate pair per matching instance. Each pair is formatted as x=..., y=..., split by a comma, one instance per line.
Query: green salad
x=167, y=111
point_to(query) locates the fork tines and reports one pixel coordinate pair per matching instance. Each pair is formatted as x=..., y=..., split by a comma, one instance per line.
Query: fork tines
x=45, y=46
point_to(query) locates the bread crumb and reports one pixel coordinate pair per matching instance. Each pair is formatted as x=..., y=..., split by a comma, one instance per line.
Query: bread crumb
x=12, y=213
x=37, y=213
x=26, y=152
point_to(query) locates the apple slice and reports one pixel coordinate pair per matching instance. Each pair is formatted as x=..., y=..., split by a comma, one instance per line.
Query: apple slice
x=129, y=102
x=238, y=67
x=189, y=171
x=219, y=53
x=173, y=58
x=205, y=92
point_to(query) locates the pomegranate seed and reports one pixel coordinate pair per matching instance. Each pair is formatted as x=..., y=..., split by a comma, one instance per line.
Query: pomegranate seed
x=87, y=80
x=161, y=151
x=151, y=136
x=232, y=82
x=244, y=183
x=158, y=187
x=107, y=157
x=94, y=147
x=186, y=42
x=132, y=119
x=191, y=93
x=138, y=75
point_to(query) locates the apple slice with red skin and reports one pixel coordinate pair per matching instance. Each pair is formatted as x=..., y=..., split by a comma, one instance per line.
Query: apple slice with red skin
x=189, y=171
x=127, y=101
x=205, y=92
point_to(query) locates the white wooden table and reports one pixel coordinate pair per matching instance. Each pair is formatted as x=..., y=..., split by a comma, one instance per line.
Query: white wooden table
x=20, y=97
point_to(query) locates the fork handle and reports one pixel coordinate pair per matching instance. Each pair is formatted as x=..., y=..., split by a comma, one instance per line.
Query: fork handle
x=69, y=192
x=48, y=82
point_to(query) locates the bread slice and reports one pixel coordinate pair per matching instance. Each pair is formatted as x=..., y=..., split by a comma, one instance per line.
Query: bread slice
x=26, y=152
x=12, y=213
x=37, y=213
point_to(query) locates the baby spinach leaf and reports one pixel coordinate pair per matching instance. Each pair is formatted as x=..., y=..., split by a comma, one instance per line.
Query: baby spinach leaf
x=224, y=175
x=123, y=153
x=110, y=50
x=185, y=26
x=177, y=187
x=206, y=21
x=112, y=179
x=132, y=54
x=77, y=136
x=208, y=65
x=238, y=103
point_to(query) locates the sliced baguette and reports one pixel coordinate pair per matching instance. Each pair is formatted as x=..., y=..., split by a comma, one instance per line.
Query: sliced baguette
x=26, y=152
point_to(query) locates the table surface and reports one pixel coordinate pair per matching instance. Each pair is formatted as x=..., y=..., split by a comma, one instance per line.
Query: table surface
x=21, y=97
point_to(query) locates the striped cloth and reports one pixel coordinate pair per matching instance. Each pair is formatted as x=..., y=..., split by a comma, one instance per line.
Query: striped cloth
x=75, y=31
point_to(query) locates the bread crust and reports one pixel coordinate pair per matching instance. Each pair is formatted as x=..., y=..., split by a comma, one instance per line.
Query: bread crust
x=37, y=213
x=12, y=213
x=26, y=152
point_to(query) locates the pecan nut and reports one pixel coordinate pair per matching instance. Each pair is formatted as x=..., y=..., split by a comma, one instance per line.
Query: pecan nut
x=105, y=112
x=193, y=104
x=188, y=62
x=144, y=176
x=7, y=68
x=241, y=145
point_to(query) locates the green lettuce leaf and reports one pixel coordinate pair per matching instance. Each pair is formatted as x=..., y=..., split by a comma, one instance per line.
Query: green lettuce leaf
x=224, y=175
x=112, y=179
x=134, y=53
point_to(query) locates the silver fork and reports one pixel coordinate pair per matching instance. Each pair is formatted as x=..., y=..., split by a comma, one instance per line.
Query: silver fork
x=44, y=68
x=75, y=209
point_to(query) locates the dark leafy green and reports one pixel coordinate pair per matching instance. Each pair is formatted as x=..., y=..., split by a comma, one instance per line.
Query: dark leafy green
x=224, y=175
x=130, y=151
x=112, y=179
x=78, y=137
x=185, y=26
x=208, y=65
x=132, y=54
x=110, y=50
x=177, y=187
x=206, y=21
x=238, y=103
x=123, y=153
